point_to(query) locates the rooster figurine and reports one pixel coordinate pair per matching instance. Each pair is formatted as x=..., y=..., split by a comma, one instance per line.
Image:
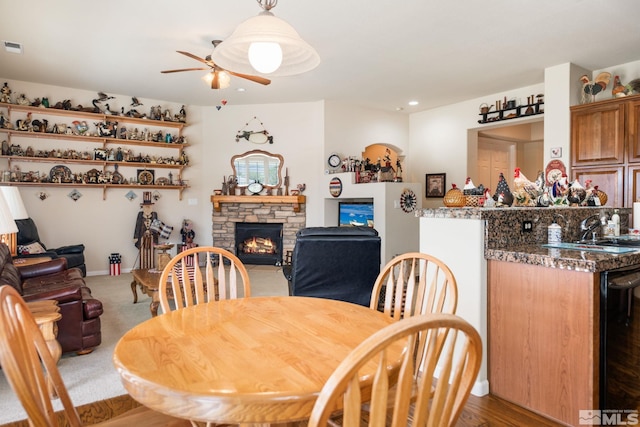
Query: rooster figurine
x=524, y=191
x=577, y=193
x=503, y=196
x=591, y=88
x=618, y=90
x=470, y=189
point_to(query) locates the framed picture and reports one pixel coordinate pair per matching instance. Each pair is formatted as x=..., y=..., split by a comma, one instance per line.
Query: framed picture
x=436, y=183
x=556, y=152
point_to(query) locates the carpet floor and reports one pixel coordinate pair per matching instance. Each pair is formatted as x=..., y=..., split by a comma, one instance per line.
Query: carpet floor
x=92, y=377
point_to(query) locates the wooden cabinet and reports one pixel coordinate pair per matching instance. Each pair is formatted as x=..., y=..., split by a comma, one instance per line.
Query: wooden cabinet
x=543, y=345
x=107, y=158
x=605, y=146
x=597, y=134
x=633, y=130
x=609, y=179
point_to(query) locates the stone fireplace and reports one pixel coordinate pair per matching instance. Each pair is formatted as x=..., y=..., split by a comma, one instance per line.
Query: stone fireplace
x=259, y=243
x=228, y=211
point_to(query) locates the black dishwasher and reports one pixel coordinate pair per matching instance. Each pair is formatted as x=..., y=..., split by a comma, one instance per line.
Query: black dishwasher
x=619, y=339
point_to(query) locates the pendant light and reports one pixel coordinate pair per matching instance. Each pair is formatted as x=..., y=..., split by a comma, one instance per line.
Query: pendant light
x=266, y=44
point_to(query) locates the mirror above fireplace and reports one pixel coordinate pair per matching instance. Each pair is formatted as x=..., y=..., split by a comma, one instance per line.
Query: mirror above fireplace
x=258, y=166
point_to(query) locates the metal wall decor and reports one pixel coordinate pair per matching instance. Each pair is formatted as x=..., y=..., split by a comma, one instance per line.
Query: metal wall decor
x=255, y=136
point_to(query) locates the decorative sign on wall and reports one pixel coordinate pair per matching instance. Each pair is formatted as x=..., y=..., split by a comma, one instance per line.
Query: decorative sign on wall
x=335, y=187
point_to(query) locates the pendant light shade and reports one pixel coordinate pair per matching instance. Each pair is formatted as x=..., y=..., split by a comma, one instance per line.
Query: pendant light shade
x=8, y=227
x=14, y=201
x=268, y=45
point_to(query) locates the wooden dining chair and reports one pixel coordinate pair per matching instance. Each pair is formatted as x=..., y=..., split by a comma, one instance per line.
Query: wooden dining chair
x=440, y=345
x=30, y=368
x=414, y=283
x=187, y=283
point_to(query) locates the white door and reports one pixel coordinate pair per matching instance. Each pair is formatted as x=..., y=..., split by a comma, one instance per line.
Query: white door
x=493, y=158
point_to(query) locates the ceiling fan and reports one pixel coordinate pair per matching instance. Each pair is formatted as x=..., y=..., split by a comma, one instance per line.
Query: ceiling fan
x=219, y=76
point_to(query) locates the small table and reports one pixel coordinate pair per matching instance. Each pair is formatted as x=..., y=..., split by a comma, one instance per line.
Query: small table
x=242, y=361
x=149, y=282
x=46, y=313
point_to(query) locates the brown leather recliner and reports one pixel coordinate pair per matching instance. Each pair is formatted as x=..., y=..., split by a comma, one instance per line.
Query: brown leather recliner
x=79, y=328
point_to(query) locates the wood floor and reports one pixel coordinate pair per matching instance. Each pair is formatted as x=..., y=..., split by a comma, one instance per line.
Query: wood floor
x=479, y=412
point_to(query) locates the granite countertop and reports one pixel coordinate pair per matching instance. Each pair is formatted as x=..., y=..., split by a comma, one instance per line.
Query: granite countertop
x=568, y=259
x=505, y=240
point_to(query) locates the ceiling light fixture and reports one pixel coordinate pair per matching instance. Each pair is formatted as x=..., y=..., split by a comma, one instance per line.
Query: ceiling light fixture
x=218, y=79
x=266, y=44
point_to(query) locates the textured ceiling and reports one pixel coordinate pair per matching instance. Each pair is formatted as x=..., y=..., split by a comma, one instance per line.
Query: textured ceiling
x=379, y=54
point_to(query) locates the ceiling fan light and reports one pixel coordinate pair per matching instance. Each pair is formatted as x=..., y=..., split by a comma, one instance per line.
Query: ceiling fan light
x=265, y=57
x=217, y=79
x=297, y=55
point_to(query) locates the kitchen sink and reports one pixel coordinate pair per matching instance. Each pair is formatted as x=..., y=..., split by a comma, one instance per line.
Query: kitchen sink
x=593, y=247
x=624, y=241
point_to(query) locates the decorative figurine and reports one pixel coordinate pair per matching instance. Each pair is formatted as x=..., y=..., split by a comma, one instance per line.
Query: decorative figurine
x=5, y=94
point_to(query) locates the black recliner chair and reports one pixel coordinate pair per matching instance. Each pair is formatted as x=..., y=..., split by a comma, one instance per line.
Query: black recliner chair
x=28, y=234
x=340, y=263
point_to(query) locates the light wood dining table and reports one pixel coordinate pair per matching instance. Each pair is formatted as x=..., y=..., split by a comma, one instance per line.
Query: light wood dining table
x=260, y=360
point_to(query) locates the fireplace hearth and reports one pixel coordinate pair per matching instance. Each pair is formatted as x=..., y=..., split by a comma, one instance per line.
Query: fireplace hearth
x=259, y=243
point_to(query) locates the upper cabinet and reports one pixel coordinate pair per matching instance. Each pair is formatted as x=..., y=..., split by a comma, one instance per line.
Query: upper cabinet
x=633, y=129
x=597, y=133
x=605, y=147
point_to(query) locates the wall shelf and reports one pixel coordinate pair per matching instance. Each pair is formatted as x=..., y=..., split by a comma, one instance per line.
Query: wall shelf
x=104, y=187
x=105, y=142
x=296, y=201
x=511, y=113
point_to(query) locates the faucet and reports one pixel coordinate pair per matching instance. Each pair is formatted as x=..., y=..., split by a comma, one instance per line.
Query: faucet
x=590, y=226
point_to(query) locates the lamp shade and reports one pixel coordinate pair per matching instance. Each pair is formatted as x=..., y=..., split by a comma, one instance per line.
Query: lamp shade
x=266, y=29
x=7, y=224
x=14, y=201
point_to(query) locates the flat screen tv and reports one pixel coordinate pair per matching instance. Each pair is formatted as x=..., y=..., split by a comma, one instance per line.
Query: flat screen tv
x=355, y=214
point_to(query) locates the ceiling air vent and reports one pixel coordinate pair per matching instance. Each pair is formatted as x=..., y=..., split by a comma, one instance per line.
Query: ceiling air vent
x=12, y=47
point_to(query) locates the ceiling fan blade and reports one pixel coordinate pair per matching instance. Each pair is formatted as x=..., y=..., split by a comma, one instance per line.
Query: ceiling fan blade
x=183, y=69
x=197, y=58
x=256, y=79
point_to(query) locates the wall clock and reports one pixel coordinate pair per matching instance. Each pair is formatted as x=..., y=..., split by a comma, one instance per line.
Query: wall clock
x=334, y=161
x=408, y=200
x=335, y=187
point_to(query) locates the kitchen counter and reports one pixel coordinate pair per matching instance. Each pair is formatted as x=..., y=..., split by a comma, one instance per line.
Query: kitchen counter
x=537, y=308
x=505, y=240
x=567, y=259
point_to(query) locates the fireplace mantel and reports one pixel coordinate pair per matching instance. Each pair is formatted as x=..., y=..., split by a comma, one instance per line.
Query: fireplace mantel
x=296, y=201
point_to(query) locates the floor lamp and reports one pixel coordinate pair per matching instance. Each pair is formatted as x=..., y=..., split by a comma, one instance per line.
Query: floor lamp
x=8, y=227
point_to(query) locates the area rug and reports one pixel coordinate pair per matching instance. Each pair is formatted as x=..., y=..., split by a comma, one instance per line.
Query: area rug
x=92, y=377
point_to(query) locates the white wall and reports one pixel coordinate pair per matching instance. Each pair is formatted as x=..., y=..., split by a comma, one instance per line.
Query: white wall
x=298, y=135
x=438, y=138
x=349, y=129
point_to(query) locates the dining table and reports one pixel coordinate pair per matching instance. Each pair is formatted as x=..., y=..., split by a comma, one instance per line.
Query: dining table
x=247, y=361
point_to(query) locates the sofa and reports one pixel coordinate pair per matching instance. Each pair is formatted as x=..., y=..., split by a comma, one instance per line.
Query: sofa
x=29, y=245
x=79, y=328
x=339, y=263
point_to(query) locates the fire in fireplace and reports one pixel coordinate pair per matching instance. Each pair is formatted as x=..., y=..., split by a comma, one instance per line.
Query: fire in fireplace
x=259, y=243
